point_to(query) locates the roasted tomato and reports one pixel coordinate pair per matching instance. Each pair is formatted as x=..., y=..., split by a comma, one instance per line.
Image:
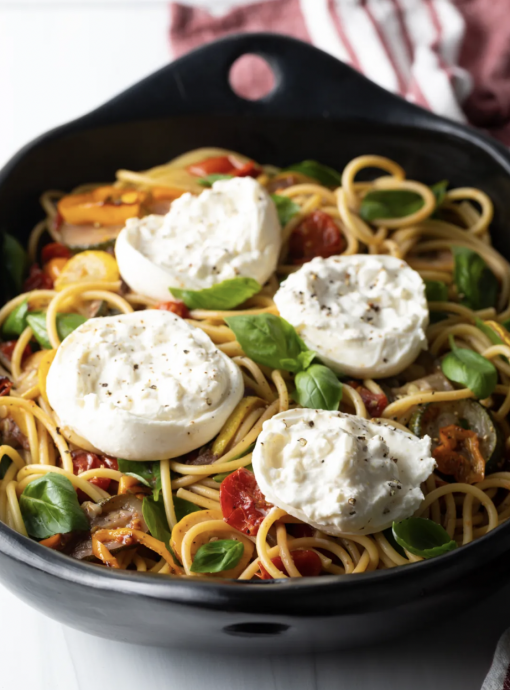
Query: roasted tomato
x=316, y=235
x=83, y=461
x=459, y=454
x=7, y=349
x=37, y=279
x=242, y=502
x=55, y=250
x=178, y=308
x=307, y=562
x=224, y=165
x=375, y=403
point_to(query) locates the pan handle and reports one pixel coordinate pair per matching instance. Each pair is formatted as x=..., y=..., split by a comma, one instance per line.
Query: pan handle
x=308, y=84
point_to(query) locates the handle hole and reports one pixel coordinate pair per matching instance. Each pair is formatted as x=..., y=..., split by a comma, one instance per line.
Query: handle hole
x=255, y=629
x=251, y=77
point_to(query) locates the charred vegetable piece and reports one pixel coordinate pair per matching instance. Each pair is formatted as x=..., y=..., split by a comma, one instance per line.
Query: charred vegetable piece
x=124, y=510
x=458, y=454
x=307, y=562
x=468, y=414
x=104, y=205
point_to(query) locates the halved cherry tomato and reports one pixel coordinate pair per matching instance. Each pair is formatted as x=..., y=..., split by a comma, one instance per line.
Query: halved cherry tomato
x=459, y=454
x=316, y=235
x=104, y=205
x=242, y=502
x=375, y=403
x=307, y=562
x=54, y=250
x=224, y=165
x=178, y=308
x=37, y=280
x=54, y=267
x=83, y=461
x=7, y=349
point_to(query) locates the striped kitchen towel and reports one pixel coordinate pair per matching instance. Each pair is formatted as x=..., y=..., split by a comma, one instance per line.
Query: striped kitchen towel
x=451, y=56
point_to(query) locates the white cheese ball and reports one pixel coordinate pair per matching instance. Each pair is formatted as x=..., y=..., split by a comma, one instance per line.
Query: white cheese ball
x=143, y=386
x=365, y=315
x=341, y=473
x=228, y=231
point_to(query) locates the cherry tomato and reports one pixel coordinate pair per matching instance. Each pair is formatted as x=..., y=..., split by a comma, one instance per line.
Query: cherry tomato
x=83, y=461
x=316, y=235
x=223, y=165
x=178, y=308
x=375, y=403
x=54, y=267
x=37, y=280
x=7, y=349
x=54, y=250
x=307, y=562
x=242, y=502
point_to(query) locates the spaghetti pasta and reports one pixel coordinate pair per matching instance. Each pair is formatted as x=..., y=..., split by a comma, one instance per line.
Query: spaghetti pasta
x=174, y=490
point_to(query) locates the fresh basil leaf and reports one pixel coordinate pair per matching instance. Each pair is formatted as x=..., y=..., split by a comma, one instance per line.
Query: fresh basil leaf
x=66, y=324
x=423, y=537
x=306, y=358
x=5, y=463
x=286, y=208
x=209, y=180
x=318, y=388
x=49, y=505
x=470, y=369
x=15, y=262
x=268, y=340
x=183, y=507
x=439, y=191
x=327, y=176
x=220, y=477
x=389, y=203
x=225, y=295
x=153, y=512
x=217, y=556
x=147, y=473
x=476, y=283
x=492, y=335
x=388, y=533
x=15, y=323
x=436, y=291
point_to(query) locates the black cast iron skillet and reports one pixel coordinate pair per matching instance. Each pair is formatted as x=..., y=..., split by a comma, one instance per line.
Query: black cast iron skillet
x=319, y=109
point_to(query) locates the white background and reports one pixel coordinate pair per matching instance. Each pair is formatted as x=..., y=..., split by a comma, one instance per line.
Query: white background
x=58, y=60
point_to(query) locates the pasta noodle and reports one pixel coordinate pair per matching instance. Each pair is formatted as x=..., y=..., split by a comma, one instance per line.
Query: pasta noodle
x=423, y=238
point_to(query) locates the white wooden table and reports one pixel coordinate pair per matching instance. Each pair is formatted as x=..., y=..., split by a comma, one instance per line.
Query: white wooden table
x=58, y=60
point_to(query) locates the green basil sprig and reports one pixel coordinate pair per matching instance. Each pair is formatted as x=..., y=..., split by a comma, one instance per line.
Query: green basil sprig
x=272, y=341
x=16, y=322
x=285, y=207
x=225, y=295
x=15, y=262
x=397, y=203
x=423, y=537
x=66, y=324
x=327, y=176
x=147, y=473
x=492, y=335
x=49, y=505
x=209, y=180
x=318, y=388
x=471, y=370
x=153, y=511
x=436, y=291
x=476, y=283
x=183, y=507
x=217, y=556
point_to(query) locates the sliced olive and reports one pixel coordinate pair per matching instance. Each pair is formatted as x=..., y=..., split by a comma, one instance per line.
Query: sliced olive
x=468, y=414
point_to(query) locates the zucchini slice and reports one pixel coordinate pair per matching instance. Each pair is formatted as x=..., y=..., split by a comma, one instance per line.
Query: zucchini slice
x=469, y=414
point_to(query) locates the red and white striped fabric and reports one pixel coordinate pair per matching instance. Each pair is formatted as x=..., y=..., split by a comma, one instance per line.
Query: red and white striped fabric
x=451, y=56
